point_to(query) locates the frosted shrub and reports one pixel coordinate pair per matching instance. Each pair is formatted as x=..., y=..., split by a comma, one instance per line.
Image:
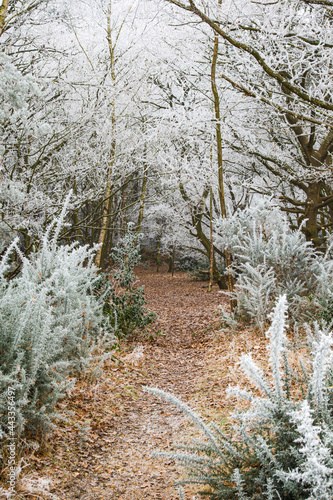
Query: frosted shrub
x=126, y=255
x=124, y=302
x=324, y=291
x=281, y=447
x=255, y=290
x=269, y=259
x=49, y=323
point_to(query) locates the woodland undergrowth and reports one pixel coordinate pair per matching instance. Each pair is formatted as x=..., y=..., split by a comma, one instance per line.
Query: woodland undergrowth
x=280, y=446
x=59, y=319
x=271, y=259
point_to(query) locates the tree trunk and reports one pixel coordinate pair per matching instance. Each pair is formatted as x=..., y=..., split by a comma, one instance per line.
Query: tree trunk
x=220, y=160
x=158, y=255
x=3, y=15
x=311, y=213
x=108, y=190
x=220, y=280
x=211, y=260
x=142, y=203
x=172, y=261
x=104, y=225
x=197, y=213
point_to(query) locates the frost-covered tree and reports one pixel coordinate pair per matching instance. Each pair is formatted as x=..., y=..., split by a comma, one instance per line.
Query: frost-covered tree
x=280, y=55
x=35, y=125
x=70, y=109
x=188, y=148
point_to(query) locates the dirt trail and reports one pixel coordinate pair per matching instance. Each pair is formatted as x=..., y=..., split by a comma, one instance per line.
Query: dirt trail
x=104, y=450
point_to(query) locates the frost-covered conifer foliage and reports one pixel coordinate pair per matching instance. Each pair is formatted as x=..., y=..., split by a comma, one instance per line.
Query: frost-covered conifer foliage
x=281, y=446
x=50, y=323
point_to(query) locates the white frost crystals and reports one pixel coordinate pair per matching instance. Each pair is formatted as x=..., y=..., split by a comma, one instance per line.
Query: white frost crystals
x=271, y=259
x=15, y=89
x=50, y=324
x=317, y=467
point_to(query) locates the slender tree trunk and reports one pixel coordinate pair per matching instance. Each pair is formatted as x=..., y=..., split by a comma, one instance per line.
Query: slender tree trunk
x=313, y=199
x=107, y=246
x=3, y=15
x=220, y=159
x=108, y=190
x=123, y=212
x=220, y=280
x=211, y=267
x=104, y=225
x=142, y=203
x=158, y=255
x=76, y=215
x=172, y=261
x=197, y=214
x=218, y=127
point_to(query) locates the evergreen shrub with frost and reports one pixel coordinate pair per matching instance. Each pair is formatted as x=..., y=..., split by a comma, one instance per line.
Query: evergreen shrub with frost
x=323, y=297
x=50, y=322
x=281, y=446
x=270, y=259
x=124, y=302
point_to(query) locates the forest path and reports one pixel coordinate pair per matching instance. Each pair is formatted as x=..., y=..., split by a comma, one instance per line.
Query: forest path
x=104, y=450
